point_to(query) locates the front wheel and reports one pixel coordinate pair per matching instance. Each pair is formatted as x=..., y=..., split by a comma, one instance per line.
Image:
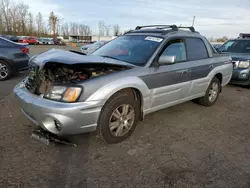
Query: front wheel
x=118, y=118
x=212, y=93
x=5, y=70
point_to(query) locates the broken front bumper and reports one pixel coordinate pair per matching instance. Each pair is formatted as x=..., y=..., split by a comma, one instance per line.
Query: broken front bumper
x=57, y=117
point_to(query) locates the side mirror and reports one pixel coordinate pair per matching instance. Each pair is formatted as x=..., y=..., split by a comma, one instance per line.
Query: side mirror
x=166, y=60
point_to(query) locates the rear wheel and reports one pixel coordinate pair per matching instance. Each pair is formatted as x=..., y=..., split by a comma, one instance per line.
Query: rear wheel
x=212, y=93
x=118, y=118
x=5, y=70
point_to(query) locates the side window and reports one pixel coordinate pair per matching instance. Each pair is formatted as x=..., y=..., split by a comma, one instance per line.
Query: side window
x=176, y=48
x=196, y=49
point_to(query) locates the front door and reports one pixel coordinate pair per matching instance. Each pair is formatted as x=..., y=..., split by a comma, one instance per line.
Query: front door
x=170, y=84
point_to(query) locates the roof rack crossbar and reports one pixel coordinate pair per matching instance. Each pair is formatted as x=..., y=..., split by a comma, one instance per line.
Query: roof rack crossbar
x=156, y=26
x=174, y=27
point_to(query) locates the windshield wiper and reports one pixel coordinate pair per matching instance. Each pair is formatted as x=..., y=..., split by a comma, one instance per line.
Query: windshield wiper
x=106, y=56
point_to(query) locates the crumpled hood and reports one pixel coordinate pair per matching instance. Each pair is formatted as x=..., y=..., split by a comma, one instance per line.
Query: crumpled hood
x=239, y=56
x=70, y=58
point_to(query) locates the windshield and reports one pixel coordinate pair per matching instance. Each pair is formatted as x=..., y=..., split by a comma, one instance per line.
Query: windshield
x=130, y=48
x=236, y=46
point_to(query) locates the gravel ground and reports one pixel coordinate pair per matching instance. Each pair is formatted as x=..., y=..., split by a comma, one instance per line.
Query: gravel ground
x=187, y=145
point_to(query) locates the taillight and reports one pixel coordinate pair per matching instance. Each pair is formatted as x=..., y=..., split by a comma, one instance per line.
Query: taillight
x=25, y=50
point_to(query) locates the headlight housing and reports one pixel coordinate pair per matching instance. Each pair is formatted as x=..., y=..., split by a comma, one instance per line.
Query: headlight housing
x=63, y=93
x=243, y=64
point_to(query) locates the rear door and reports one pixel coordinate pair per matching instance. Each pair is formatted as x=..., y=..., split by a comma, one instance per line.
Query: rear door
x=170, y=83
x=200, y=65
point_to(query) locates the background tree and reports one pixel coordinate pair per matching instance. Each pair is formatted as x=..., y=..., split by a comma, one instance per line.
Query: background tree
x=107, y=29
x=30, y=24
x=116, y=29
x=84, y=30
x=101, y=26
x=53, y=21
x=15, y=19
x=39, y=23
x=74, y=28
x=65, y=30
x=23, y=12
x=5, y=11
x=1, y=24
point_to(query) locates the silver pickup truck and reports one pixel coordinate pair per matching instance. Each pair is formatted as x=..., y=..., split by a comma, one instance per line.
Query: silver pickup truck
x=108, y=91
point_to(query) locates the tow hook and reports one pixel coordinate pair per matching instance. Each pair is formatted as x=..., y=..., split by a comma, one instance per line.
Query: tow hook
x=48, y=138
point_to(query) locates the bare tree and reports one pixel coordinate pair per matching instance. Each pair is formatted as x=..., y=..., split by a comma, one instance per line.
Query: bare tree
x=15, y=20
x=5, y=6
x=101, y=26
x=53, y=21
x=23, y=12
x=116, y=29
x=59, y=25
x=45, y=29
x=1, y=24
x=30, y=23
x=65, y=30
x=39, y=23
x=74, y=28
x=84, y=30
x=107, y=29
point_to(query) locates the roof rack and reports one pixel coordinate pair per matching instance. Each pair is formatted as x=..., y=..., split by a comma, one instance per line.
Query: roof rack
x=244, y=35
x=173, y=27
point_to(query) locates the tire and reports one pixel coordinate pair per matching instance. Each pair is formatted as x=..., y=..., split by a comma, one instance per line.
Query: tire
x=5, y=70
x=117, y=102
x=206, y=100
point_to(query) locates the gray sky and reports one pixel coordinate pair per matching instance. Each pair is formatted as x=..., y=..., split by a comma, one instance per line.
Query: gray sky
x=213, y=17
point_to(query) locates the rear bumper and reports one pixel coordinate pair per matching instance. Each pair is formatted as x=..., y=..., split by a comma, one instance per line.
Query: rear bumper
x=57, y=117
x=241, y=77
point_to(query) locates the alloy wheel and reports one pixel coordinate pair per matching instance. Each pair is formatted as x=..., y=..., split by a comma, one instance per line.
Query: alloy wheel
x=122, y=120
x=213, y=92
x=4, y=71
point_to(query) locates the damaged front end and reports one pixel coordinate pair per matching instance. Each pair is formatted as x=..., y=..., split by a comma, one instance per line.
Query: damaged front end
x=42, y=81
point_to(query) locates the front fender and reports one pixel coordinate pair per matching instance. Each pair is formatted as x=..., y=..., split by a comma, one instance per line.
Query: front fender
x=105, y=92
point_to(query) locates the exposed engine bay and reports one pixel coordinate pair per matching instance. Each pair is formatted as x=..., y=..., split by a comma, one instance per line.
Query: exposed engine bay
x=40, y=80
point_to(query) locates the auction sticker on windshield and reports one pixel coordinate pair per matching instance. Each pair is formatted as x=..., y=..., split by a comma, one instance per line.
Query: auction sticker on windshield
x=155, y=39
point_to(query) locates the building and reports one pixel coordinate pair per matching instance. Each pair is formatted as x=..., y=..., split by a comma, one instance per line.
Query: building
x=81, y=38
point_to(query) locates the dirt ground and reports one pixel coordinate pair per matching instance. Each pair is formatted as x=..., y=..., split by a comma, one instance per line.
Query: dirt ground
x=187, y=146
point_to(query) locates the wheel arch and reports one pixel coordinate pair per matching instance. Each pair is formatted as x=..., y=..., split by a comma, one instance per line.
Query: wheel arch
x=219, y=77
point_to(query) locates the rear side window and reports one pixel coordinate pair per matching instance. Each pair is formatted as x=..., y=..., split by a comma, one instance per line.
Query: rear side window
x=196, y=49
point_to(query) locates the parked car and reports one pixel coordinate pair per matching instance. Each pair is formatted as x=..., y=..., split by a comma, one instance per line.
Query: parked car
x=89, y=48
x=58, y=41
x=13, y=58
x=48, y=41
x=239, y=50
x=40, y=40
x=29, y=40
x=217, y=46
x=108, y=91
